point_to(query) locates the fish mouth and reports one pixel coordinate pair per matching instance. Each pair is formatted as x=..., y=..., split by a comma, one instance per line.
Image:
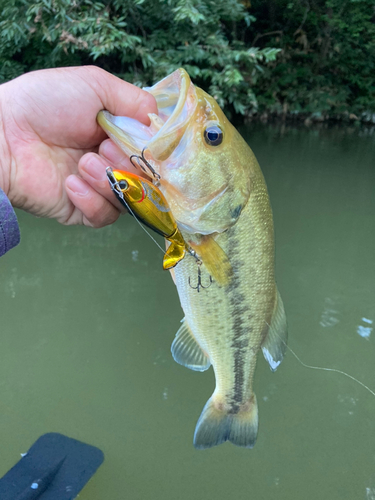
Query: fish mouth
x=176, y=100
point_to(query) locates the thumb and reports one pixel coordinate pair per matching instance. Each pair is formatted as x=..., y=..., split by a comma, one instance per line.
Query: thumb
x=119, y=97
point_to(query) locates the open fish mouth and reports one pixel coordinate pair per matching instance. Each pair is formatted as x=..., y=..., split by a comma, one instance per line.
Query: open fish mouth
x=176, y=99
x=205, y=184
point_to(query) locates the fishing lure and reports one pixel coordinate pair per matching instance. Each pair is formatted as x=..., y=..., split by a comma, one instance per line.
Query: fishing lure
x=147, y=203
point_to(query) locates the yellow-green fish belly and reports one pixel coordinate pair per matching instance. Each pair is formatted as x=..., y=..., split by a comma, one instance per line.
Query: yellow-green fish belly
x=230, y=322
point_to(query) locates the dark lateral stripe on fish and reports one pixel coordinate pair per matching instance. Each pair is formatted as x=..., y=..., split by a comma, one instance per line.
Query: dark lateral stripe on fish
x=240, y=339
x=239, y=343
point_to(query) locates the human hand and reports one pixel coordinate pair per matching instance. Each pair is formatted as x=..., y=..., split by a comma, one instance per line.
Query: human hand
x=49, y=134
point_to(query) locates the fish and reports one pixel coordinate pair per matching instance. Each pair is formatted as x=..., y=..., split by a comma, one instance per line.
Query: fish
x=217, y=194
x=147, y=203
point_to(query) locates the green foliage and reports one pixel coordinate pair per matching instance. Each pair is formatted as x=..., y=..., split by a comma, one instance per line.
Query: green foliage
x=139, y=40
x=326, y=67
x=322, y=62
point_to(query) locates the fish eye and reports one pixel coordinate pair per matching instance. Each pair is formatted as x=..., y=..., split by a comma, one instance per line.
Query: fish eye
x=123, y=185
x=213, y=135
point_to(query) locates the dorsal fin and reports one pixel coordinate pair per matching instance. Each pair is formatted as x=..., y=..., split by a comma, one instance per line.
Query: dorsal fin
x=187, y=352
x=274, y=345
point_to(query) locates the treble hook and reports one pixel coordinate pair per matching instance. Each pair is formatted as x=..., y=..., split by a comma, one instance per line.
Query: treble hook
x=199, y=282
x=146, y=163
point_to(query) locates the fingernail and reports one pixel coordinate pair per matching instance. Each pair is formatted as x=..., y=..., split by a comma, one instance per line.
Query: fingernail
x=112, y=153
x=95, y=169
x=77, y=185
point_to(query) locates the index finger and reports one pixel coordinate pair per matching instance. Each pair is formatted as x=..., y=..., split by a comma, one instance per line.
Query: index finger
x=121, y=98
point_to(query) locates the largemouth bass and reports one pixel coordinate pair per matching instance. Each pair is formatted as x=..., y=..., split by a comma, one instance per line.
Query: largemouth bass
x=217, y=194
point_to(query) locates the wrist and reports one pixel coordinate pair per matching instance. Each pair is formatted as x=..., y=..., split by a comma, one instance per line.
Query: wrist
x=5, y=155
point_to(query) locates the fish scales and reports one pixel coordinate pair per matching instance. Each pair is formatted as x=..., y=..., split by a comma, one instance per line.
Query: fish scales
x=218, y=197
x=233, y=332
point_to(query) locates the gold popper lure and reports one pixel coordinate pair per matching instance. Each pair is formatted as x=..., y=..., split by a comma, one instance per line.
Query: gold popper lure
x=147, y=203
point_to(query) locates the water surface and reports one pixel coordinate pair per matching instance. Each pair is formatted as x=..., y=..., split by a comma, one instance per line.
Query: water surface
x=88, y=317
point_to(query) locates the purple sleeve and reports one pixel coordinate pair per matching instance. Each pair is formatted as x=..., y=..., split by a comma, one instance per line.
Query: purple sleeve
x=9, y=230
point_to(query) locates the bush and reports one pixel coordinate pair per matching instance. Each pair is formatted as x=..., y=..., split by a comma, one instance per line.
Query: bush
x=326, y=66
x=139, y=40
x=321, y=64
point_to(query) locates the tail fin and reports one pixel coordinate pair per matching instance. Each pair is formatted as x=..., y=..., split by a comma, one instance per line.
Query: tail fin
x=216, y=426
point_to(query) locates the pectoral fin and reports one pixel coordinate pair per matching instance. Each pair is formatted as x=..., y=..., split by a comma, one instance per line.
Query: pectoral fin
x=214, y=258
x=187, y=352
x=275, y=344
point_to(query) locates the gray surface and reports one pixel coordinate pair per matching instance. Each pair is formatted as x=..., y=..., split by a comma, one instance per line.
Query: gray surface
x=88, y=317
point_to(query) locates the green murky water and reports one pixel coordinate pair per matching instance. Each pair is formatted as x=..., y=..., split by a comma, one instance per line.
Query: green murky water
x=87, y=319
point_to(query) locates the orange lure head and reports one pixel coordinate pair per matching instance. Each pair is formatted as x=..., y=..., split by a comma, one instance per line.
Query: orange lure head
x=147, y=204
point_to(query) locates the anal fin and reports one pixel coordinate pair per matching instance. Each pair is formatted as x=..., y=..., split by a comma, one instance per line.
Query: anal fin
x=187, y=352
x=275, y=343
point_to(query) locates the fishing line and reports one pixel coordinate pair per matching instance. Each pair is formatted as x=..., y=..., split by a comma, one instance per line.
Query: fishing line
x=191, y=252
x=324, y=368
x=143, y=227
x=330, y=370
